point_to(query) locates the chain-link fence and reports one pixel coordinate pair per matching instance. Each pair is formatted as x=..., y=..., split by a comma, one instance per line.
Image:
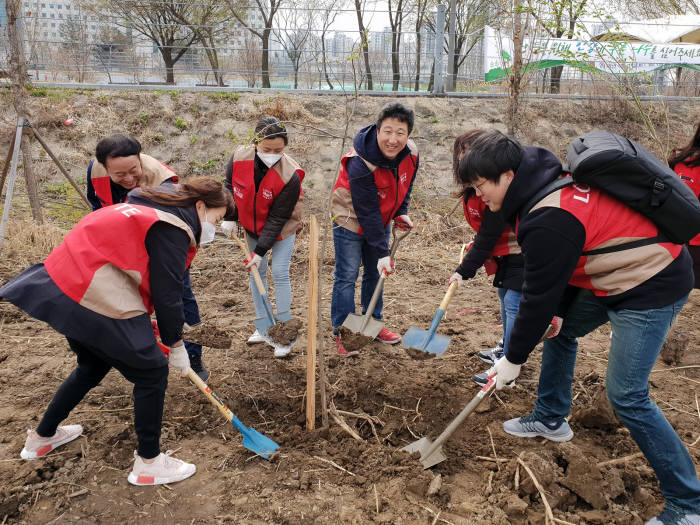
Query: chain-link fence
x=280, y=45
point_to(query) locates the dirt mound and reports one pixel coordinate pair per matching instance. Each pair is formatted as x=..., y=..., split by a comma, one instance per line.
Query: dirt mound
x=285, y=333
x=351, y=341
x=600, y=414
x=675, y=346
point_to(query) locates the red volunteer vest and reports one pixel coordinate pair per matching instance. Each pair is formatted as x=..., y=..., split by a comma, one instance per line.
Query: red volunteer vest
x=609, y=222
x=109, y=273
x=154, y=175
x=691, y=176
x=474, y=209
x=254, y=207
x=390, y=190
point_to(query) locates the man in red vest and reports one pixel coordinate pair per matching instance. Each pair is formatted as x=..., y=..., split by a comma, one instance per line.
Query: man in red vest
x=119, y=167
x=639, y=290
x=373, y=188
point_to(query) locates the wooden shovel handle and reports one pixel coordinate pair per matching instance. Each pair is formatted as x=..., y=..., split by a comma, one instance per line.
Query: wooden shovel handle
x=211, y=396
x=448, y=296
x=256, y=274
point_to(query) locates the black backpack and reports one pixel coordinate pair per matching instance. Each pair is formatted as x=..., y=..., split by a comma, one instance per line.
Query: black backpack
x=634, y=176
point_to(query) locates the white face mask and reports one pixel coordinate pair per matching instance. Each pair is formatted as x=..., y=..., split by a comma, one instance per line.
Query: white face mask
x=270, y=159
x=208, y=231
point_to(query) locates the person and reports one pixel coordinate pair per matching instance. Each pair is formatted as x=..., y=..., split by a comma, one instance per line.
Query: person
x=266, y=185
x=373, y=188
x=119, y=167
x=494, y=247
x=686, y=163
x=101, y=300
x=638, y=290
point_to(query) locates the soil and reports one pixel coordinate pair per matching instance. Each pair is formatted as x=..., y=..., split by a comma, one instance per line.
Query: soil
x=387, y=398
x=285, y=333
x=675, y=346
x=351, y=341
x=206, y=335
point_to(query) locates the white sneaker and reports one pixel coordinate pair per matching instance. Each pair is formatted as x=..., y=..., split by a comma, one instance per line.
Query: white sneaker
x=165, y=469
x=257, y=337
x=282, y=350
x=36, y=446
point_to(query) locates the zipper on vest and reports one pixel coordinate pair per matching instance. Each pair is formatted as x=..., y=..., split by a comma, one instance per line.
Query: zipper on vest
x=396, y=193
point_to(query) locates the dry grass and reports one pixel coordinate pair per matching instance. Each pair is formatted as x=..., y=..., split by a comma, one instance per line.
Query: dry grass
x=27, y=243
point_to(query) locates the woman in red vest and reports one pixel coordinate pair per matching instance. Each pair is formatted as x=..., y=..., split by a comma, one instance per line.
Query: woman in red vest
x=266, y=185
x=99, y=287
x=686, y=162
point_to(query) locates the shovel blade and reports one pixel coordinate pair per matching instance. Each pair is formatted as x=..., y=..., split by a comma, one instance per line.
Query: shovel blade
x=423, y=446
x=354, y=322
x=254, y=440
x=425, y=341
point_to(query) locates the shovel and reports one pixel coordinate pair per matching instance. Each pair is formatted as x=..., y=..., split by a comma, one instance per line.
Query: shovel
x=262, y=323
x=428, y=340
x=252, y=439
x=366, y=324
x=431, y=451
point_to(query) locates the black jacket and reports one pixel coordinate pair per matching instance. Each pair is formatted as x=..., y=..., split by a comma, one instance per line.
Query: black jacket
x=552, y=242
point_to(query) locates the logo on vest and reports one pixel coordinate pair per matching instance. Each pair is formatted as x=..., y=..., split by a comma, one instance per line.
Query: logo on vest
x=238, y=193
x=267, y=194
x=382, y=195
x=127, y=209
x=403, y=177
x=474, y=212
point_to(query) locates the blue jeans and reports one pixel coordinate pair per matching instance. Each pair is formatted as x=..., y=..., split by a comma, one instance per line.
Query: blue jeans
x=510, y=302
x=281, y=257
x=351, y=250
x=636, y=343
x=189, y=305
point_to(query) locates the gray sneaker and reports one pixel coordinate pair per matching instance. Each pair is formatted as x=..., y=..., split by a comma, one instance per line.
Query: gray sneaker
x=528, y=426
x=671, y=516
x=492, y=355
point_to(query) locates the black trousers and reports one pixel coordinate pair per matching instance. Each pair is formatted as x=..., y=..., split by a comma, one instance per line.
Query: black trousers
x=149, y=395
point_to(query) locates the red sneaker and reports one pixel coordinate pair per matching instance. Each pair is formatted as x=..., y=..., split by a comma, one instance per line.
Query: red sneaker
x=341, y=348
x=390, y=338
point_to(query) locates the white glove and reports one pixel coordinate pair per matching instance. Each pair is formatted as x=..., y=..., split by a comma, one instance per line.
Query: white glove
x=179, y=359
x=403, y=222
x=456, y=277
x=386, y=265
x=254, y=261
x=506, y=371
x=227, y=227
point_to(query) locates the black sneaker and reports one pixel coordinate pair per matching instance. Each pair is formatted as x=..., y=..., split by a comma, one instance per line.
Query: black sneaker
x=483, y=378
x=492, y=355
x=198, y=367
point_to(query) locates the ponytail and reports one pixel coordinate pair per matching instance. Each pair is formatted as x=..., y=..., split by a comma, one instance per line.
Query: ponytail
x=187, y=193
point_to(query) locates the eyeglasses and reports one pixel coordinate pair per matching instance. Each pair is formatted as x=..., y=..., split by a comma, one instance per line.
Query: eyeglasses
x=478, y=186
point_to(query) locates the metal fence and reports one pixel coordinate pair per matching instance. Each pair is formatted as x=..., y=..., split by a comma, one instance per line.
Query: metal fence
x=317, y=47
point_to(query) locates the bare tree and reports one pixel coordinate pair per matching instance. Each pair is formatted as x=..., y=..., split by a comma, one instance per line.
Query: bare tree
x=157, y=21
x=559, y=19
x=248, y=59
x=295, y=23
x=329, y=12
x=209, y=21
x=656, y=8
x=396, y=17
x=420, y=10
x=470, y=18
x=364, y=36
x=267, y=10
x=74, y=47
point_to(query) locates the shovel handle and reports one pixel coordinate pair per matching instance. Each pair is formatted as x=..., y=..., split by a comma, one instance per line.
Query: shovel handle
x=210, y=395
x=254, y=270
x=448, y=296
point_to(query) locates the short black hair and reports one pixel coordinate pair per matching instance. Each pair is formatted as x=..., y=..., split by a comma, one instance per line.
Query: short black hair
x=270, y=128
x=399, y=112
x=116, y=146
x=491, y=155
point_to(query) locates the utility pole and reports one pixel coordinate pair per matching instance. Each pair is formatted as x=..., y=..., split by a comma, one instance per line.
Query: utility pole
x=438, y=87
